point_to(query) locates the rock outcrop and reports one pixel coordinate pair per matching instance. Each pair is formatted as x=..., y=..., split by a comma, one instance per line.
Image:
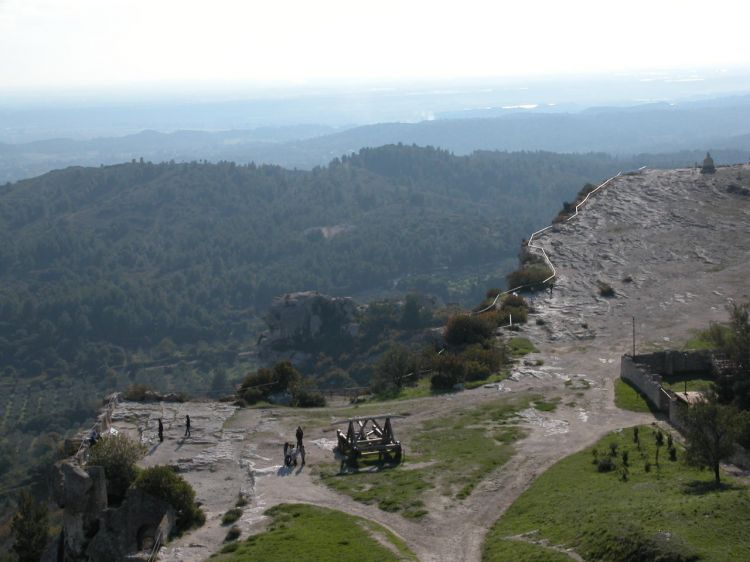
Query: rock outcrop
x=91, y=530
x=296, y=319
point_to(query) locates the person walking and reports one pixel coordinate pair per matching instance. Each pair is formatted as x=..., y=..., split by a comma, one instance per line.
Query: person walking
x=187, y=425
x=299, y=436
x=161, y=431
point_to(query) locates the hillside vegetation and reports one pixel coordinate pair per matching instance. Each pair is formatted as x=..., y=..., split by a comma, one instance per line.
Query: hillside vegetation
x=100, y=263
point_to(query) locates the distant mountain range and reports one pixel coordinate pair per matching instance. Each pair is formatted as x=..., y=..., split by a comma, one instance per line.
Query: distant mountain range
x=721, y=125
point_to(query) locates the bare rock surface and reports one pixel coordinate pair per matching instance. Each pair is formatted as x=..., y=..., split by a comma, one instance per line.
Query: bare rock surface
x=682, y=241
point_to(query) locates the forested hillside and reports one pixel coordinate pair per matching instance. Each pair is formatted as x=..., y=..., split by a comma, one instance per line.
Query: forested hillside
x=99, y=262
x=158, y=273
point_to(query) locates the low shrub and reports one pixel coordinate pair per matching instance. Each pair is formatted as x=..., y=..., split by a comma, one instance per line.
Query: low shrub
x=476, y=371
x=529, y=277
x=605, y=464
x=231, y=516
x=233, y=534
x=162, y=482
x=464, y=329
x=306, y=399
x=136, y=392
x=605, y=289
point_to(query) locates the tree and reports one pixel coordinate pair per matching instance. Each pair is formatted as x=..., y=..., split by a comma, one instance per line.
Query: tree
x=410, y=318
x=711, y=431
x=29, y=527
x=733, y=385
x=396, y=368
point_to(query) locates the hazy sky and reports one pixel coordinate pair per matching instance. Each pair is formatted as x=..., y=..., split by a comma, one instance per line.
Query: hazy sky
x=63, y=44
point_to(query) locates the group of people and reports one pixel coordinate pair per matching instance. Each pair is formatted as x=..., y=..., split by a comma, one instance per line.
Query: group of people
x=291, y=452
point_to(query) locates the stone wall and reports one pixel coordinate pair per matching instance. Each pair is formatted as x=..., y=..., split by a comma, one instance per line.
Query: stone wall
x=673, y=362
x=645, y=373
x=646, y=381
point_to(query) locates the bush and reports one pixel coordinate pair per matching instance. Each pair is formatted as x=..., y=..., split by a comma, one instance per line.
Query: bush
x=231, y=516
x=464, y=329
x=261, y=384
x=306, y=399
x=476, y=371
x=232, y=535
x=530, y=277
x=491, y=357
x=162, y=482
x=605, y=464
x=605, y=289
x=117, y=454
x=451, y=371
x=136, y=392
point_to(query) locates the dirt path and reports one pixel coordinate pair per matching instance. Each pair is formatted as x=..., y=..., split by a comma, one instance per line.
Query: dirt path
x=674, y=246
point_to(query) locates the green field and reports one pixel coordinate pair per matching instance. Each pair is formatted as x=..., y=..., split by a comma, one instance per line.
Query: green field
x=306, y=532
x=449, y=455
x=671, y=512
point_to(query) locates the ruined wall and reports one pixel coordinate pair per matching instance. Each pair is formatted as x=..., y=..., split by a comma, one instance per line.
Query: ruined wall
x=645, y=373
x=646, y=381
x=673, y=362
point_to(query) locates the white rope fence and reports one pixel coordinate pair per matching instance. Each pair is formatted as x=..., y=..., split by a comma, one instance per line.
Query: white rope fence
x=530, y=244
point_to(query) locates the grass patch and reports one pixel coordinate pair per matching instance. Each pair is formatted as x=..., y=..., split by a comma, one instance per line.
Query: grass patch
x=456, y=452
x=706, y=339
x=520, y=346
x=521, y=551
x=671, y=512
x=693, y=381
x=419, y=390
x=548, y=405
x=306, y=532
x=497, y=377
x=627, y=397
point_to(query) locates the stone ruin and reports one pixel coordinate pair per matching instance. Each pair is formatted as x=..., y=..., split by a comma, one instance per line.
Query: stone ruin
x=645, y=373
x=296, y=319
x=92, y=530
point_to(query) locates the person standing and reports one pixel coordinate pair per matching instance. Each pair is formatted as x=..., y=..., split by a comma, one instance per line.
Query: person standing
x=187, y=425
x=299, y=436
x=161, y=431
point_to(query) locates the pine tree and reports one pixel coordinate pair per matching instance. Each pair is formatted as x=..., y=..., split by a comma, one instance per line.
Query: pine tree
x=29, y=527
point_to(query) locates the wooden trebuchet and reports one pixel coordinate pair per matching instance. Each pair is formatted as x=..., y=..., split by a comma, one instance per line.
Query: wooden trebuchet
x=359, y=440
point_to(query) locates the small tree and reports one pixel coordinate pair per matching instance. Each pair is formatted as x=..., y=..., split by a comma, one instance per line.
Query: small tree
x=396, y=368
x=117, y=454
x=659, y=438
x=711, y=430
x=29, y=528
x=734, y=385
